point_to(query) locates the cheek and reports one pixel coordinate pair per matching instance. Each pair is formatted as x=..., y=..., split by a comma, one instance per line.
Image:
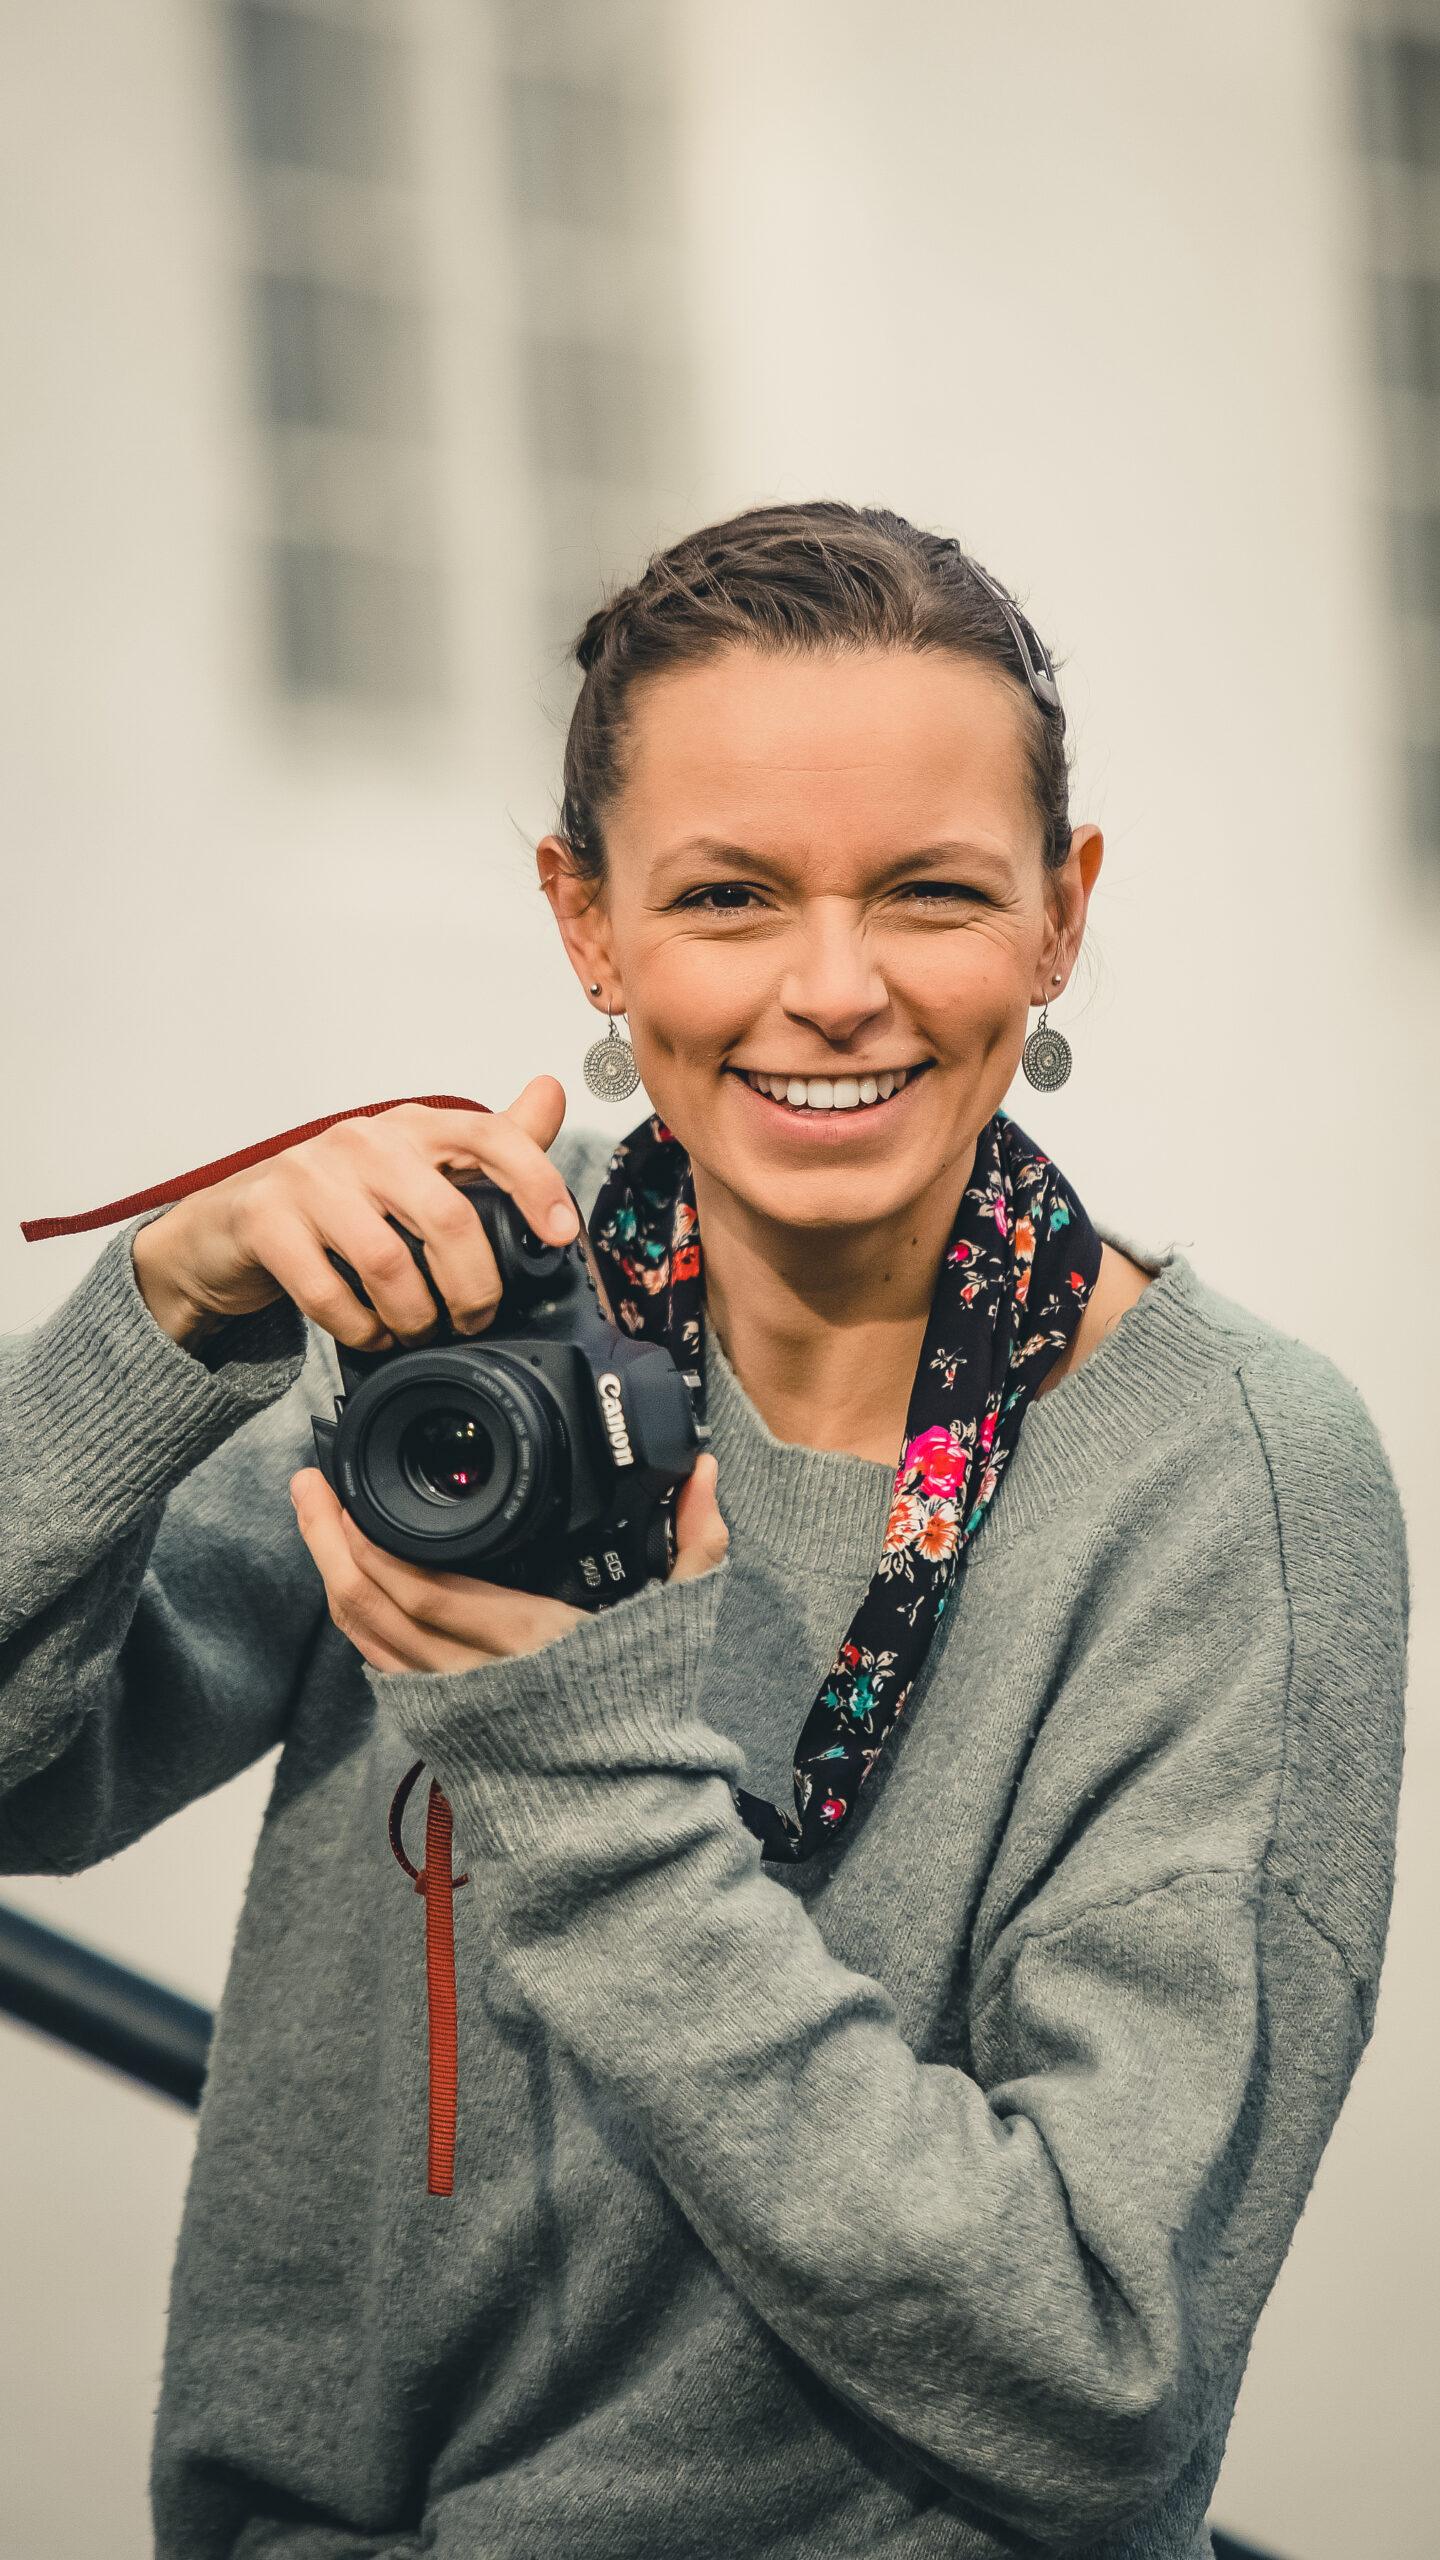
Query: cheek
x=690, y=998
x=965, y=988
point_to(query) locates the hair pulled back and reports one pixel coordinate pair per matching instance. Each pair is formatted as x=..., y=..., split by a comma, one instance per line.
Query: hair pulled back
x=788, y=580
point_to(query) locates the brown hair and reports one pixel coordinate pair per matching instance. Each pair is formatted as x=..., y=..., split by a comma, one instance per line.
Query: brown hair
x=788, y=579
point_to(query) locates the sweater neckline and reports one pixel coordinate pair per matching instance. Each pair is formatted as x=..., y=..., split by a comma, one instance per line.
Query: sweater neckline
x=824, y=1512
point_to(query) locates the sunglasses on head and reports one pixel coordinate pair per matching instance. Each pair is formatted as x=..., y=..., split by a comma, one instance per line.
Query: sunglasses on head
x=1034, y=656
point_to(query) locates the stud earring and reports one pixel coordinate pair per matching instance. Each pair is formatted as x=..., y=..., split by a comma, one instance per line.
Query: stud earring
x=610, y=1071
x=1047, y=1056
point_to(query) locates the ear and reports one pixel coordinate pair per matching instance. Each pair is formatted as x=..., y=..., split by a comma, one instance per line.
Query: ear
x=1068, y=892
x=581, y=909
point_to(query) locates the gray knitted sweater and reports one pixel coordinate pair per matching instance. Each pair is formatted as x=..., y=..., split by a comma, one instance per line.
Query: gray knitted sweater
x=917, y=2201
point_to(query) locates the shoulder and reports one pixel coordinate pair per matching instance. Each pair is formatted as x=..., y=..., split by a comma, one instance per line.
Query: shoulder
x=1340, y=1537
x=1325, y=1465
x=1274, y=1508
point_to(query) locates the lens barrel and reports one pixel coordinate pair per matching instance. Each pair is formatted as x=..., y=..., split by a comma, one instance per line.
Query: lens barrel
x=451, y=1455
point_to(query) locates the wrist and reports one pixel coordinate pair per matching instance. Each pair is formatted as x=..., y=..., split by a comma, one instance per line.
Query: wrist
x=186, y=1320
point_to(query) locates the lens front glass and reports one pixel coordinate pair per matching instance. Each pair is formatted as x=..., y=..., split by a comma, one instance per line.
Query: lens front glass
x=447, y=1456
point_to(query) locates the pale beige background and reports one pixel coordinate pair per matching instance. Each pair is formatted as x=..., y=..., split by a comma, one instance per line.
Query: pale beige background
x=1081, y=283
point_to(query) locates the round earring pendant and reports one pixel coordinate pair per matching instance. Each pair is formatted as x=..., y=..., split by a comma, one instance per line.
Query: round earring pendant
x=610, y=1069
x=1046, y=1059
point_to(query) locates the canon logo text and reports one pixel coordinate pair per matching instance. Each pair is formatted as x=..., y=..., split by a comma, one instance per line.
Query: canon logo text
x=614, y=1412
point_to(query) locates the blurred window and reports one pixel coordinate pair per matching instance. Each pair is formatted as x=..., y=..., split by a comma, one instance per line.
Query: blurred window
x=354, y=625
x=332, y=358
x=1398, y=94
x=316, y=95
x=341, y=349
x=603, y=367
x=1408, y=316
x=1400, y=98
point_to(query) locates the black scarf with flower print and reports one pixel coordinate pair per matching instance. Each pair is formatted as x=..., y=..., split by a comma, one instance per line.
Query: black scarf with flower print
x=1018, y=1270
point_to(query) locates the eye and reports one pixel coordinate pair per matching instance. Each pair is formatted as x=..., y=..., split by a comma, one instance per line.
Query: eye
x=932, y=893
x=722, y=897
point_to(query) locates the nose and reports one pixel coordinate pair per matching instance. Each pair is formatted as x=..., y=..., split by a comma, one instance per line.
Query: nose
x=831, y=981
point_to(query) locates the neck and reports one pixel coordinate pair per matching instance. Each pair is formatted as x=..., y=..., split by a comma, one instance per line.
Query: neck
x=823, y=1327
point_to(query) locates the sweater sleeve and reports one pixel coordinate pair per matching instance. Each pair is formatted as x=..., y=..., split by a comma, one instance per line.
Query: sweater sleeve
x=155, y=1597
x=1037, y=2267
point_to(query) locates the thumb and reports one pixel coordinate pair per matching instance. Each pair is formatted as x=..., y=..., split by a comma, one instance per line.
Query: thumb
x=701, y=1536
x=539, y=1109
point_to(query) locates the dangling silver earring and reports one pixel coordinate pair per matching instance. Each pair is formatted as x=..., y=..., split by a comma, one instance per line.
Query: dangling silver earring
x=1047, y=1057
x=610, y=1070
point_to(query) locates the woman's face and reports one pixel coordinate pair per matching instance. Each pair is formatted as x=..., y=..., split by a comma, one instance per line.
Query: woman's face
x=826, y=914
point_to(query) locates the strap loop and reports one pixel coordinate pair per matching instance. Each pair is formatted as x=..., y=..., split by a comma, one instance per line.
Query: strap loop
x=436, y=1884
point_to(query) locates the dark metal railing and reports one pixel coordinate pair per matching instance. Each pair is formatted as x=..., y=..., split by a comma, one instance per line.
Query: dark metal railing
x=103, y=2009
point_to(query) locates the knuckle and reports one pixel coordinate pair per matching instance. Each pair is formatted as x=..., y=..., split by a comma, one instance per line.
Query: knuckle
x=389, y=1259
x=454, y=1218
x=482, y=1293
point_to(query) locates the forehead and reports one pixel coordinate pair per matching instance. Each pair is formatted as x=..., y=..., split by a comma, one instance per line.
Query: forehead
x=893, y=746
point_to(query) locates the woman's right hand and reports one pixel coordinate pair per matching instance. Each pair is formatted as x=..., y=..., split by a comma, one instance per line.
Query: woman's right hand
x=264, y=1233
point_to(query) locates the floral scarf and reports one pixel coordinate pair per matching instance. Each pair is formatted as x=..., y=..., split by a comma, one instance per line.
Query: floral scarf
x=1018, y=1270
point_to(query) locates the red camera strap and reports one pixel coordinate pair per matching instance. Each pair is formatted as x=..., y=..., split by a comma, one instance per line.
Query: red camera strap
x=163, y=1194
x=434, y=1881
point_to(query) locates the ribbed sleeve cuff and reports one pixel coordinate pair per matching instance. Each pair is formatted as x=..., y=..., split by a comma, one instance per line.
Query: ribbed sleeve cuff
x=112, y=1415
x=612, y=1700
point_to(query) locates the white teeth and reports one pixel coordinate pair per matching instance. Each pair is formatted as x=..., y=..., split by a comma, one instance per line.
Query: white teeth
x=829, y=1093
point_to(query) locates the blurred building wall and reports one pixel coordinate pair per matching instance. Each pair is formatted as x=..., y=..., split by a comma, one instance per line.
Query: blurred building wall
x=336, y=388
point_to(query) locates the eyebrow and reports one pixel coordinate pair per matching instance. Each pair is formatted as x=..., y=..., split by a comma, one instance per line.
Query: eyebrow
x=717, y=850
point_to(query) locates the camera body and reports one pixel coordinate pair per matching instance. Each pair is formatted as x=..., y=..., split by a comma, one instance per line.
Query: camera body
x=543, y=1454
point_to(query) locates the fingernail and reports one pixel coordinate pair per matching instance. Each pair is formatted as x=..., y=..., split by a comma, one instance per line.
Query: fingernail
x=562, y=1223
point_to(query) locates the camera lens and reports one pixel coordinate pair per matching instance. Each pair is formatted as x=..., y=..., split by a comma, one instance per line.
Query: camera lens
x=450, y=1455
x=447, y=1456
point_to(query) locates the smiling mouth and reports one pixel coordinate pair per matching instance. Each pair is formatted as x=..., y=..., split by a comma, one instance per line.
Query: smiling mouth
x=831, y=1093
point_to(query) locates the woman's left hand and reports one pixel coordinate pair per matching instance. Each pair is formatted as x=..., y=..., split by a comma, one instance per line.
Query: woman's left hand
x=402, y=1618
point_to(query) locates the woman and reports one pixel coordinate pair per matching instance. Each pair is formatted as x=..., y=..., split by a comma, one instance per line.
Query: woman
x=881, y=2142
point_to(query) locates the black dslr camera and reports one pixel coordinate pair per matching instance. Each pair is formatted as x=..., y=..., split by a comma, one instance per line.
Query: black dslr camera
x=544, y=1453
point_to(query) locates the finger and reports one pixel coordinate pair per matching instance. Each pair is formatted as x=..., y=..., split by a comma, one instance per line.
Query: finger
x=296, y=1261
x=539, y=1109
x=486, y=1617
x=362, y=1612
x=494, y=1142
x=515, y=1157
x=457, y=1249
x=701, y=1537
x=359, y=1231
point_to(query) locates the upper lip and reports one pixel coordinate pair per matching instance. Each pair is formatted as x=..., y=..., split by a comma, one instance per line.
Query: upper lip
x=835, y=1069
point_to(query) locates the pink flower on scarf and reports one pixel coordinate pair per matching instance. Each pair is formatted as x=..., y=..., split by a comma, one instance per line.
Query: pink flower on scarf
x=940, y=1460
